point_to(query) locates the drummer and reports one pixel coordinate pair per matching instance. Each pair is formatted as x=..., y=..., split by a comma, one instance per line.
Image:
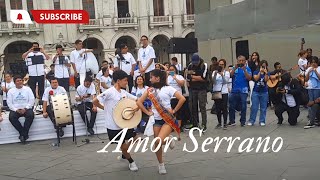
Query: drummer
x=54, y=89
x=110, y=98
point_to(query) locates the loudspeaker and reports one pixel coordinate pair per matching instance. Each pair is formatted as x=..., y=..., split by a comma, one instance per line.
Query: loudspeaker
x=183, y=46
x=242, y=48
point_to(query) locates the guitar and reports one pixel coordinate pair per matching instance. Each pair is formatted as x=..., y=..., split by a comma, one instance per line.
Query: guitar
x=273, y=82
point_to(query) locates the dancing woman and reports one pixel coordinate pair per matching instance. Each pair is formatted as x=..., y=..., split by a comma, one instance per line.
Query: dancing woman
x=160, y=95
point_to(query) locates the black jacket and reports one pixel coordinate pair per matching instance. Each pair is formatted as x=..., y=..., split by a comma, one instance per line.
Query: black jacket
x=295, y=90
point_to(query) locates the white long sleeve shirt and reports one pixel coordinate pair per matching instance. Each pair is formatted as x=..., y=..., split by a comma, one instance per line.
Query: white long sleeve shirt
x=20, y=98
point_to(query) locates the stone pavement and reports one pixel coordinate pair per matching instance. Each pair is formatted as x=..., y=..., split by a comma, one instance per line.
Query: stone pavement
x=298, y=159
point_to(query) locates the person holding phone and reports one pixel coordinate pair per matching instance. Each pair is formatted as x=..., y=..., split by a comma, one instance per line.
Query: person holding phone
x=34, y=58
x=85, y=93
x=20, y=101
x=241, y=75
x=62, y=63
x=260, y=95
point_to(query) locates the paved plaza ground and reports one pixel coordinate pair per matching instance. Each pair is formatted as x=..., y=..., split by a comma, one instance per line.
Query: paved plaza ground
x=298, y=159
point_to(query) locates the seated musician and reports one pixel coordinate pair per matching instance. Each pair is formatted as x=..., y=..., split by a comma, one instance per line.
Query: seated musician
x=288, y=99
x=84, y=95
x=47, y=108
x=20, y=101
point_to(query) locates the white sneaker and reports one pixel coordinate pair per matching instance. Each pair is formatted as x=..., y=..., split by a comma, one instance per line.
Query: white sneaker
x=173, y=143
x=133, y=166
x=250, y=124
x=262, y=124
x=162, y=169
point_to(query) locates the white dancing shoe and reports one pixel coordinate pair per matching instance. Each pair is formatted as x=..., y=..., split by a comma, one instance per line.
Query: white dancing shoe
x=162, y=169
x=133, y=167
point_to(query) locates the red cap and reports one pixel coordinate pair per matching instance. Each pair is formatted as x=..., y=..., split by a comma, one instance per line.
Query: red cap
x=51, y=92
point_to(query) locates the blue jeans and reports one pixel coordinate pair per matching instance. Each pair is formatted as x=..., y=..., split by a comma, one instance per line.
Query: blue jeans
x=259, y=99
x=313, y=94
x=236, y=99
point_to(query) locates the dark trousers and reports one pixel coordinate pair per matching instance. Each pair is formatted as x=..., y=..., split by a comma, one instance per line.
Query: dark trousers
x=130, y=82
x=293, y=113
x=14, y=119
x=33, y=80
x=64, y=82
x=314, y=113
x=198, y=98
x=51, y=116
x=222, y=108
x=82, y=108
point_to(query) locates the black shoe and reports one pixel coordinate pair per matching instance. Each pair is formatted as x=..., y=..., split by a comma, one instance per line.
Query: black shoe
x=279, y=122
x=26, y=137
x=61, y=132
x=22, y=139
x=225, y=127
x=213, y=112
x=204, y=129
x=218, y=126
x=243, y=125
x=90, y=130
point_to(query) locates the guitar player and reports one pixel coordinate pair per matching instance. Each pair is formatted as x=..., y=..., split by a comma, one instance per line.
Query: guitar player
x=275, y=77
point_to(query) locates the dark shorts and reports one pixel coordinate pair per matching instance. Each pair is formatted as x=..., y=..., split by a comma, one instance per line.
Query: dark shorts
x=113, y=133
x=160, y=123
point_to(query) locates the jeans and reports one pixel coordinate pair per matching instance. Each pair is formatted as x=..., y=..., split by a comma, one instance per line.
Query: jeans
x=198, y=98
x=236, y=99
x=259, y=99
x=315, y=113
x=313, y=94
x=14, y=119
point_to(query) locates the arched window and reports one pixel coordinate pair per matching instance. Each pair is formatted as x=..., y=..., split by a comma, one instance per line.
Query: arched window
x=88, y=5
x=158, y=7
x=190, y=6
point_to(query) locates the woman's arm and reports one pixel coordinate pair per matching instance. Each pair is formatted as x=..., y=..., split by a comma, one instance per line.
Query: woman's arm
x=140, y=103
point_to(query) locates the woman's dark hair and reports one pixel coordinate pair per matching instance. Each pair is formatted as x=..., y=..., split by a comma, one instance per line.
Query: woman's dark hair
x=166, y=63
x=122, y=46
x=135, y=81
x=315, y=59
x=224, y=62
x=263, y=62
x=258, y=60
x=163, y=78
x=104, y=70
x=175, y=69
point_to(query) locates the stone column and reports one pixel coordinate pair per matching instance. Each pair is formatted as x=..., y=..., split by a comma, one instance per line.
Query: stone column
x=176, y=17
x=143, y=17
x=71, y=29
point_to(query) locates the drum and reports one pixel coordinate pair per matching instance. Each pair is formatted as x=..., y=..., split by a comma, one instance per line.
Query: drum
x=62, y=109
x=92, y=63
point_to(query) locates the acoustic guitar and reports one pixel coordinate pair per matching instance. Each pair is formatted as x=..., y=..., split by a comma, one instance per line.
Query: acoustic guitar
x=273, y=82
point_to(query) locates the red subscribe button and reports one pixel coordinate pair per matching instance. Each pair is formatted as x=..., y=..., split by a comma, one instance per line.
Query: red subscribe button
x=60, y=16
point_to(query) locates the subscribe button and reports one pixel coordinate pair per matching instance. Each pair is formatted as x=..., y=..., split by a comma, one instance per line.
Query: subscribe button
x=60, y=16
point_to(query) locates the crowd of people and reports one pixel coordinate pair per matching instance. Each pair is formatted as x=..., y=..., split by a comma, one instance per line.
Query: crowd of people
x=162, y=88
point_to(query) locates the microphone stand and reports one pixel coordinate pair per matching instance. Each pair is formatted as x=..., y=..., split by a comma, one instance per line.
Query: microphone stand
x=86, y=140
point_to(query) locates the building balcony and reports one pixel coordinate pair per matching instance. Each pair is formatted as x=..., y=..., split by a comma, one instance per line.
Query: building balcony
x=93, y=24
x=160, y=21
x=127, y=22
x=9, y=27
x=188, y=19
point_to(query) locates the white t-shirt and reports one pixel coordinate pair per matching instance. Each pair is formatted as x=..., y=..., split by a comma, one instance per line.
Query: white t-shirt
x=126, y=65
x=8, y=86
x=20, y=98
x=107, y=80
x=57, y=91
x=78, y=60
x=109, y=99
x=301, y=63
x=173, y=83
x=313, y=79
x=82, y=90
x=289, y=98
x=61, y=70
x=164, y=95
x=144, y=55
x=98, y=76
x=138, y=92
x=37, y=69
x=220, y=83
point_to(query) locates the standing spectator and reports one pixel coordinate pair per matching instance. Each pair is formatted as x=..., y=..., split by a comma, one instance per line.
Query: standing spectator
x=174, y=61
x=214, y=64
x=288, y=96
x=315, y=115
x=303, y=65
x=177, y=82
x=260, y=94
x=253, y=64
x=6, y=85
x=197, y=79
x=61, y=72
x=34, y=58
x=313, y=81
x=240, y=75
x=220, y=79
x=126, y=62
x=146, y=56
x=20, y=101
